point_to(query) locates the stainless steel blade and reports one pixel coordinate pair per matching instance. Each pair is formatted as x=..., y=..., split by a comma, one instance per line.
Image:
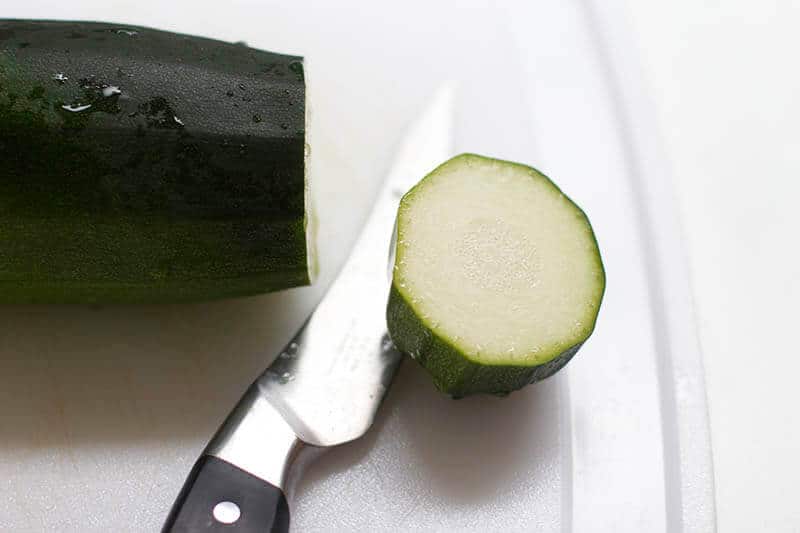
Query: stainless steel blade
x=329, y=381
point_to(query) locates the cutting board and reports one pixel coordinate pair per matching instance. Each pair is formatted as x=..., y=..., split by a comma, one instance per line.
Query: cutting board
x=104, y=409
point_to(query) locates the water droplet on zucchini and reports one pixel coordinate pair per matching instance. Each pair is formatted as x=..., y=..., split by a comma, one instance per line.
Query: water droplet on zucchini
x=76, y=108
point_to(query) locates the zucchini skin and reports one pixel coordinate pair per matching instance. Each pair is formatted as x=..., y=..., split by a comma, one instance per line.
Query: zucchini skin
x=452, y=372
x=183, y=180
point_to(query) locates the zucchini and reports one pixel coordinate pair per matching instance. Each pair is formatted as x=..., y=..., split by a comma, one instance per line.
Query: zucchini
x=146, y=166
x=497, y=276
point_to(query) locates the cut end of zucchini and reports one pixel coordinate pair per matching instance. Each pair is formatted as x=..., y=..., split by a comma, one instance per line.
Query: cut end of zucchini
x=311, y=221
x=498, y=269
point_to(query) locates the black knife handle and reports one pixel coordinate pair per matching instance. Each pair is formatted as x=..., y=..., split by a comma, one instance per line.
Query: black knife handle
x=219, y=497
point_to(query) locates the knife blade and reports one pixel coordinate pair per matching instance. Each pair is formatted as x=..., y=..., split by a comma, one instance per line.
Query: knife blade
x=326, y=386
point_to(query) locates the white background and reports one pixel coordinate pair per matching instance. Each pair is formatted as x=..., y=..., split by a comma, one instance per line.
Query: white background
x=725, y=80
x=724, y=83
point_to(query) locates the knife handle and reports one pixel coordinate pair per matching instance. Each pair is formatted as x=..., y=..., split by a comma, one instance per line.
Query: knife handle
x=219, y=497
x=237, y=485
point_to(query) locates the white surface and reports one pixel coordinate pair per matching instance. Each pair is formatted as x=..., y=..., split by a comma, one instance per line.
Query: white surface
x=113, y=405
x=724, y=79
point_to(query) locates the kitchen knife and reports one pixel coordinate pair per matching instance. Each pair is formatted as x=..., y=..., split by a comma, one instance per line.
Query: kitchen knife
x=325, y=387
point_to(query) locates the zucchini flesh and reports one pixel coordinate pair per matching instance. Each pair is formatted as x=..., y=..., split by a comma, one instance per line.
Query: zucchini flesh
x=146, y=166
x=497, y=277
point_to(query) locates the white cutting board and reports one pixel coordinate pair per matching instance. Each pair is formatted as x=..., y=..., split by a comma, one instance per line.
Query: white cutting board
x=103, y=410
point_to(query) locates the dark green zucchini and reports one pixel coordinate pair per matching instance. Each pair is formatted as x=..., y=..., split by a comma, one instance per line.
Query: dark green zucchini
x=145, y=166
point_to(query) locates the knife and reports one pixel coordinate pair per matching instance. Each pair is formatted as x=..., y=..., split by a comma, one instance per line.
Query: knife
x=325, y=387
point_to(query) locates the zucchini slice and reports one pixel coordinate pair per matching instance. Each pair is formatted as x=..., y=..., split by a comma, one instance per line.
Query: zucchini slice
x=146, y=166
x=497, y=276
